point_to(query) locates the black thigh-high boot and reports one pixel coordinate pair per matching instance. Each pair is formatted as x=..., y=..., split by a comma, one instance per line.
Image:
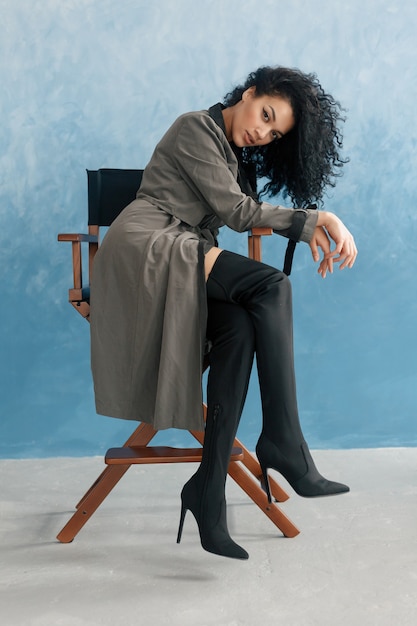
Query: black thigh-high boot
x=266, y=294
x=230, y=331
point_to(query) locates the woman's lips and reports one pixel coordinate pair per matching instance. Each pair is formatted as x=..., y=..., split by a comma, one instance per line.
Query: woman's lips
x=249, y=139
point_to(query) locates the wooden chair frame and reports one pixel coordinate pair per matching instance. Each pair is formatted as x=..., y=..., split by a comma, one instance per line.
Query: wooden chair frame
x=244, y=467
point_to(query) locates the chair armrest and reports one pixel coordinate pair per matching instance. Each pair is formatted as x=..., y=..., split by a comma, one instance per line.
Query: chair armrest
x=260, y=232
x=254, y=242
x=77, y=237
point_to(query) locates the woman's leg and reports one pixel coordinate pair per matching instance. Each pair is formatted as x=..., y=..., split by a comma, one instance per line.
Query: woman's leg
x=266, y=294
x=230, y=332
x=209, y=260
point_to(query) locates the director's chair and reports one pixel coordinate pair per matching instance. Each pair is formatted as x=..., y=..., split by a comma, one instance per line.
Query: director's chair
x=109, y=191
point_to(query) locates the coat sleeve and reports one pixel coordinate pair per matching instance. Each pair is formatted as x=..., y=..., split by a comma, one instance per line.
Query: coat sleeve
x=200, y=152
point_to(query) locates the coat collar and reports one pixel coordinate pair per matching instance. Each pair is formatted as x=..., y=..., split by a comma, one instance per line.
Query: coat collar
x=215, y=113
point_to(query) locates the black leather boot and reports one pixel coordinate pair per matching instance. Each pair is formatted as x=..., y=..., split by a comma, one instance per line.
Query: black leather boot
x=266, y=294
x=231, y=332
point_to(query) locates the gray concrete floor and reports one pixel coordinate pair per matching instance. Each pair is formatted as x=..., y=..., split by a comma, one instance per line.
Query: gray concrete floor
x=354, y=563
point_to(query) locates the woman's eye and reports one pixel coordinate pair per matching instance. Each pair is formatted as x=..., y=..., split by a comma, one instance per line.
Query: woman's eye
x=275, y=135
x=266, y=115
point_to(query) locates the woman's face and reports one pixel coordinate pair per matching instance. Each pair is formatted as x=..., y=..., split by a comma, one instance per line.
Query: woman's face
x=256, y=121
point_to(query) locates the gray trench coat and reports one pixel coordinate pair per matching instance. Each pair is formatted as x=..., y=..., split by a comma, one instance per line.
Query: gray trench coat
x=148, y=297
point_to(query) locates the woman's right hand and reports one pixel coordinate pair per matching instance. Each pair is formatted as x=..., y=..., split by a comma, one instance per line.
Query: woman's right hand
x=330, y=228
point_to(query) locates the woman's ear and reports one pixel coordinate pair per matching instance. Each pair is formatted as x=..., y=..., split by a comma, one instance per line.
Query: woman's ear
x=249, y=93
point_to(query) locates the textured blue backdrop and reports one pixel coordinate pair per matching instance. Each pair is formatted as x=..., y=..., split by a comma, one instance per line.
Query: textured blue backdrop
x=89, y=84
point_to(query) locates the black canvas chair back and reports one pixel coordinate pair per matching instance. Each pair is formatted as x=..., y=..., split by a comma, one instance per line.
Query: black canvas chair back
x=109, y=192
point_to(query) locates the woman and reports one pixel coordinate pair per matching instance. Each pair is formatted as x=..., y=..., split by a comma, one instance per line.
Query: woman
x=164, y=296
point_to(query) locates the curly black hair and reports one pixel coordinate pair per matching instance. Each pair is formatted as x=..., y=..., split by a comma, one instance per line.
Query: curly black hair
x=308, y=158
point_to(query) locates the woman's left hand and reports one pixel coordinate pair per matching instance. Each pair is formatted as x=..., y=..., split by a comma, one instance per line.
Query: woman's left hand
x=330, y=227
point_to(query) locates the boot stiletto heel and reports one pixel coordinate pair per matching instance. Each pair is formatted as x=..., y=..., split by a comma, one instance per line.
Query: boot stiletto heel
x=266, y=481
x=181, y=525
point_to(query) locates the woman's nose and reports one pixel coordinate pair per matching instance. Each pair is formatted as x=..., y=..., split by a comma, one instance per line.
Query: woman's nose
x=261, y=132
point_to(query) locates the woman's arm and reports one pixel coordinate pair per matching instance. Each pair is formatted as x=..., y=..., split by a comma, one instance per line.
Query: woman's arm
x=200, y=155
x=208, y=166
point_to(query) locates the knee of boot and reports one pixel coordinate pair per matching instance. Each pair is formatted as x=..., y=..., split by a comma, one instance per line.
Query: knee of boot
x=278, y=281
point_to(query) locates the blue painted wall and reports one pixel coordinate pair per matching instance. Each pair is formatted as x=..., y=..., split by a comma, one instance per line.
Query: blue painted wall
x=89, y=84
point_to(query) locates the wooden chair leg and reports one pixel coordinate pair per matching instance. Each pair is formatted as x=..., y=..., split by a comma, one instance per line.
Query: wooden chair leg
x=102, y=486
x=91, y=501
x=252, y=464
x=252, y=488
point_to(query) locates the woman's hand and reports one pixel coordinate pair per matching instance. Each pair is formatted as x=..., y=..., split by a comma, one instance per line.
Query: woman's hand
x=330, y=228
